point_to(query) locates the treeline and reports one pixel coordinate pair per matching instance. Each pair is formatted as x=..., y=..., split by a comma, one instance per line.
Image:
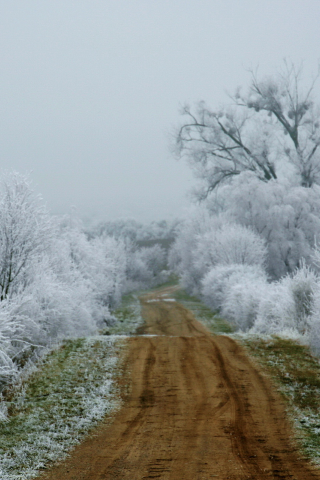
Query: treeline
x=256, y=262
x=56, y=280
x=251, y=251
x=136, y=231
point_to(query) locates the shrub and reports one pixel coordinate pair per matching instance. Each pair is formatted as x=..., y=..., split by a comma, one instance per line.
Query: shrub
x=276, y=311
x=303, y=284
x=242, y=298
x=230, y=244
x=220, y=279
x=288, y=304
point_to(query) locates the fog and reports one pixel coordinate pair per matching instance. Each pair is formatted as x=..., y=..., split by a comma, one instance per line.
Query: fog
x=91, y=89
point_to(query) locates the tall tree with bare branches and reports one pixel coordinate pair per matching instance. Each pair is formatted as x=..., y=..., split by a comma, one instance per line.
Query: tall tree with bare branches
x=275, y=122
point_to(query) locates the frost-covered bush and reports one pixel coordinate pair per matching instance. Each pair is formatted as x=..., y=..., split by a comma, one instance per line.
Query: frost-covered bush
x=219, y=280
x=228, y=244
x=154, y=258
x=183, y=255
x=146, y=263
x=215, y=282
x=242, y=298
x=59, y=309
x=288, y=304
x=205, y=241
x=303, y=284
x=314, y=321
x=285, y=215
x=276, y=311
x=55, y=280
x=12, y=339
x=145, y=266
x=314, y=332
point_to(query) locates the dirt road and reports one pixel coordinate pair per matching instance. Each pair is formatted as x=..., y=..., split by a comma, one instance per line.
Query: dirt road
x=196, y=409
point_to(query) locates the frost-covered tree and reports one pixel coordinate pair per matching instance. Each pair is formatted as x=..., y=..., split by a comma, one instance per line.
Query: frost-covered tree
x=182, y=256
x=205, y=241
x=100, y=263
x=229, y=244
x=25, y=232
x=135, y=231
x=294, y=117
x=276, y=122
x=57, y=281
x=287, y=217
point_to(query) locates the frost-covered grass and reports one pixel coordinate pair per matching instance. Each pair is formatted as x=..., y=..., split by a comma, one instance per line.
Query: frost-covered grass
x=62, y=398
x=296, y=373
x=203, y=314
x=70, y=391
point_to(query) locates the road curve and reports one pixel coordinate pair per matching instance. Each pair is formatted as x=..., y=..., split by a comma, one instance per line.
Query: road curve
x=195, y=408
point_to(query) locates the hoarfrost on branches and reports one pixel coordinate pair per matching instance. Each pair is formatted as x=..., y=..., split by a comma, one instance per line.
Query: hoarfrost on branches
x=57, y=281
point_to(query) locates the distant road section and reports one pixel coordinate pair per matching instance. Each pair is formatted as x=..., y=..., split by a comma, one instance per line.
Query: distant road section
x=195, y=408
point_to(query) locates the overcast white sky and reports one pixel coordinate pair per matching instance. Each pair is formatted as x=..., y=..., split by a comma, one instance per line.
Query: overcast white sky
x=90, y=88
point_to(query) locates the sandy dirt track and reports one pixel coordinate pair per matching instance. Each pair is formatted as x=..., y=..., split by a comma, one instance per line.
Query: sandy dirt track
x=195, y=408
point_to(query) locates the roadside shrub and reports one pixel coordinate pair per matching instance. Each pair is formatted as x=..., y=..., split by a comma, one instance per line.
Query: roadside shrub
x=220, y=279
x=288, y=304
x=229, y=244
x=314, y=322
x=242, y=298
x=303, y=284
x=314, y=330
x=276, y=311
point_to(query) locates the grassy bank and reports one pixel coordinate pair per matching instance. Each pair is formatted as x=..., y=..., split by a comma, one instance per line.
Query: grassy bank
x=296, y=374
x=69, y=392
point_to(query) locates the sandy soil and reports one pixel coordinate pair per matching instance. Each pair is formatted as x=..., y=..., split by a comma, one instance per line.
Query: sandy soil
x=195, y=408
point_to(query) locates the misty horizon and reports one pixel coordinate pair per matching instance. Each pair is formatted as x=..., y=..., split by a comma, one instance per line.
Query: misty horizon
x=92, y=90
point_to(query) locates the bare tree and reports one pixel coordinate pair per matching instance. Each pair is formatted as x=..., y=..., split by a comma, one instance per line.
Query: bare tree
x=276, y=121
x=297, y=119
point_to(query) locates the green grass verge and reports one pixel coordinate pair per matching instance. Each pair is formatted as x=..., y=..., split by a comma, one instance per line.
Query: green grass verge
x=203, y=314
x=296, y=374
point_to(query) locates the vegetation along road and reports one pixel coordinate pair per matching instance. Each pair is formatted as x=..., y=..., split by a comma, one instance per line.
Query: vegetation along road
x=195, y=407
